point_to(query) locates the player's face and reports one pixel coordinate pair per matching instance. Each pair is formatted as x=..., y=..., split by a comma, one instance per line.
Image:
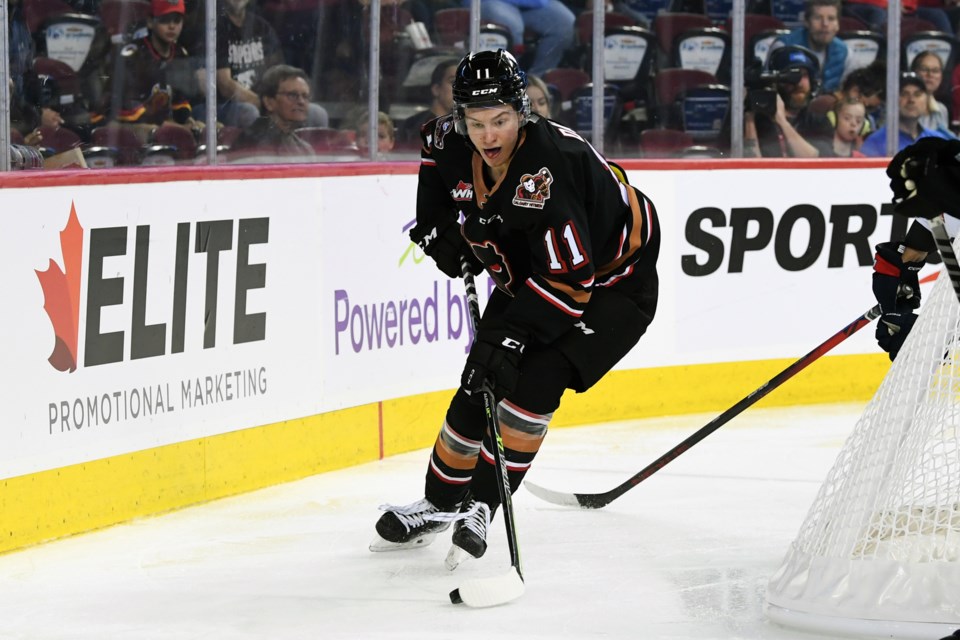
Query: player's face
x=850, y=121
x=822, y=25
x=538, y=101
x=494, y=132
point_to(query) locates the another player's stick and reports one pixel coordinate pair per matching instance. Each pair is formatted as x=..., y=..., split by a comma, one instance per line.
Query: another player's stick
x=487, y=592
x=600, y=500
x=947, y=254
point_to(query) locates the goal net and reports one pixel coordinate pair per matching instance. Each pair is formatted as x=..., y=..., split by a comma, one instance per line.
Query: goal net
x=879, y=550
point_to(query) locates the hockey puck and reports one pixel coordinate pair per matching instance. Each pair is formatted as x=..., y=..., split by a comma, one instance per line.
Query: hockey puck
x=455, y=597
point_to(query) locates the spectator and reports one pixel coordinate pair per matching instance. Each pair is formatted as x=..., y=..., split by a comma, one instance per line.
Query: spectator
x=913, y=101
x=441, y=90
x=792, y=130
x=539, y=96
x=821, y=22
x=929, y=67
x=246, y=47
x=850, y=117
x=147, y=91
x=386, y=135
x=550, y=20
x=284, y=97
x=866, y=85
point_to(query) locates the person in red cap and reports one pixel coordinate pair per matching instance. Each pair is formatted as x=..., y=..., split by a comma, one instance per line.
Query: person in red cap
x=156, y=77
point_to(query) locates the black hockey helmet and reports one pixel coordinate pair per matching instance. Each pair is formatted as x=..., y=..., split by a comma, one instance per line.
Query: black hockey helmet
x=796, y=57
x=487, y=79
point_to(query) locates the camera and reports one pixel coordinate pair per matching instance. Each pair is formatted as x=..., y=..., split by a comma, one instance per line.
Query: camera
x=762, y=85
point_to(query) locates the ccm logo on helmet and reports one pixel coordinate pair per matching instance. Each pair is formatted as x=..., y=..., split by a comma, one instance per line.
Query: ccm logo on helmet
x=483, y=92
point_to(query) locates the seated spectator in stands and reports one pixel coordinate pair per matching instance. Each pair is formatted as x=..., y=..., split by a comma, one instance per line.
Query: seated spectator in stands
x=913, y=104
x=866, y=85
x=550, y=20
x=246, y=47
x=539, y=96
x=850, y=117
x=929, y=67
x=821, y=23
x=441, y=90
x=386, y=135
x=284, y=97
x=792, y=130
x=147, y=91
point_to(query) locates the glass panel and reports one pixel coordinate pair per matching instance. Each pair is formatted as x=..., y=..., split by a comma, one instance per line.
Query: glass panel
x=303, y=69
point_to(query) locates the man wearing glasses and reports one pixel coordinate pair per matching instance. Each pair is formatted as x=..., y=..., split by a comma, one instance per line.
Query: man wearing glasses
x=285, y=99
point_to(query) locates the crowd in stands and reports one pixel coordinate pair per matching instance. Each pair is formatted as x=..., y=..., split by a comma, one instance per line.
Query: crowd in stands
x=124, y=82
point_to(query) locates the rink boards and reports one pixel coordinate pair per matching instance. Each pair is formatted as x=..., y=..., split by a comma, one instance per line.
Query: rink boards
x=177, y=335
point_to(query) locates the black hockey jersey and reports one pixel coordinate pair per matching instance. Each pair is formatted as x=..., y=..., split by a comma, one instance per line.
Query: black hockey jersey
x=150, y=86
x=556, y=225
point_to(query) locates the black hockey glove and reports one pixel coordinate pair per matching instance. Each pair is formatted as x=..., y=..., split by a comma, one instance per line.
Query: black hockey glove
x=494, y=358
x=897, y=289
x=925, y=178
x=444, y=244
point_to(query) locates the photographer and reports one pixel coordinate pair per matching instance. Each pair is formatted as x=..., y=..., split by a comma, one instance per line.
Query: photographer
x=778, y=122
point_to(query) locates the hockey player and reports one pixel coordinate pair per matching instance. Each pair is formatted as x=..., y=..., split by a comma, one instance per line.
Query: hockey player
x=572, y=249
x=925, y=179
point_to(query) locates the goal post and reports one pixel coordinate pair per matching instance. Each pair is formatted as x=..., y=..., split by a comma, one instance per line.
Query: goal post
x=879, y=551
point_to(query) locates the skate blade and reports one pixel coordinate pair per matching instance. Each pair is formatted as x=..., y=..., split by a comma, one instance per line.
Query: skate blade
x=455, y=557
x=378, y=544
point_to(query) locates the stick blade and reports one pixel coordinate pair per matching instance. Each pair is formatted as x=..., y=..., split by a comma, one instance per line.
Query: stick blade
x=580, y=500
x=489, y=592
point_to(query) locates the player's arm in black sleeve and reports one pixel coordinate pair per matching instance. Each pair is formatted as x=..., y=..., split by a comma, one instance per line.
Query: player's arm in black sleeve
x=437, y=231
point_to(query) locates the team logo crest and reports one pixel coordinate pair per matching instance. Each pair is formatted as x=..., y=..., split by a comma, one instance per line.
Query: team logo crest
x=462, y=192
x=534, y=189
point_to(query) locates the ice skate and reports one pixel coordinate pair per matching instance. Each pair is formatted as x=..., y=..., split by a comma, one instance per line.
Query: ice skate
x=410, y=526
x=469, y=533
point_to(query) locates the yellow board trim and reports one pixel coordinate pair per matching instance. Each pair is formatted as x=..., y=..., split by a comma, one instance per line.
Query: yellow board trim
x=52, y=504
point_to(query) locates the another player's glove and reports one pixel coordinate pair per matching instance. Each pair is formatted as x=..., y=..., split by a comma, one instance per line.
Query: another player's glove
x=494, y=358
x=444, y=243
x=897, y=289
x=925, y=178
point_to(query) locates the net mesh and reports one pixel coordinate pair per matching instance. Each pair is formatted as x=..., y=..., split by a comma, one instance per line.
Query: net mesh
x=882, y=539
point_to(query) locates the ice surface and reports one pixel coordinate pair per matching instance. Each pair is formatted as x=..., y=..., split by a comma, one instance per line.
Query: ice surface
x=686, y=554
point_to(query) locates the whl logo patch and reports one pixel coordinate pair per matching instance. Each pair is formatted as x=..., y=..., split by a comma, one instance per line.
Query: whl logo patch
x=61, y=295
x=462, y=192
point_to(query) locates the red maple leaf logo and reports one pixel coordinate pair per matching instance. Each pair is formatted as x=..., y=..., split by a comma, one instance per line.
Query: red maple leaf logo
x=61, y=295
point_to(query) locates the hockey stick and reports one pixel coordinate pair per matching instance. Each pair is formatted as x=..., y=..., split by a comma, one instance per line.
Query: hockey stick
x=487, y=592
x=600, y=500
x=947, y=254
